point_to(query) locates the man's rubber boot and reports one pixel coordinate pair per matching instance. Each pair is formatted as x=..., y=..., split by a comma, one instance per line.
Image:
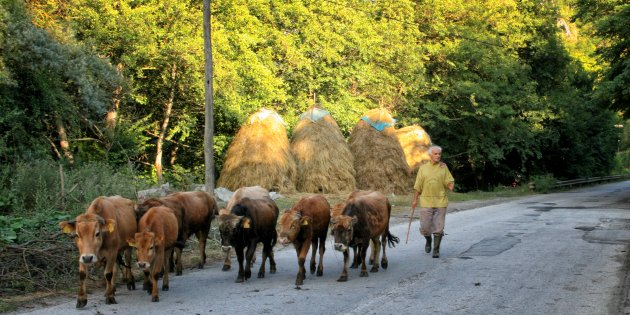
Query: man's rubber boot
x=436, y=245
x=427, y=246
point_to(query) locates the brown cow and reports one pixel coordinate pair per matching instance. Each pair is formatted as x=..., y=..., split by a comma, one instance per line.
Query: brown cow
x=252, y=192
x=101, y=234
x=154, y=241
x=364, y=218
x=250, y=222
x=194, y=211
x=304, y=224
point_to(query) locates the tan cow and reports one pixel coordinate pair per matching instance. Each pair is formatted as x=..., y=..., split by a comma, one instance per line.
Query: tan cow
x=194, y=211
x=304, y=224
x=100, y=234
x=365, y=218
x=154, y=241
x=251, y=192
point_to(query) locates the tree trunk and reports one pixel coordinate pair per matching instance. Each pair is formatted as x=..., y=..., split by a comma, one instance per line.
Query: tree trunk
x=167, y=116
x=63, y=141
x=112, y=115
x=208, y=135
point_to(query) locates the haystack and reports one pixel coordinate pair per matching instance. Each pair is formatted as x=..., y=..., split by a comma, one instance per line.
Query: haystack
x=260, y=155
x=323, y=158
x=379, y=160
x=415, y=143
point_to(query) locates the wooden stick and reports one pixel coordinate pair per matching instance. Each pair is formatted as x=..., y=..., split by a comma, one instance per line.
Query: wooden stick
x=409, y=227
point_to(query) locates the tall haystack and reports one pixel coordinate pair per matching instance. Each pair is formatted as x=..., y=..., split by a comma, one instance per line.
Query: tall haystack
x=260, y=155
x=379, y=160
x=323, y=158
x=415, y=142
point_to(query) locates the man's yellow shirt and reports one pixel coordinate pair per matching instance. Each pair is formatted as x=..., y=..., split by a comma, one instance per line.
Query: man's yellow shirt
x=432, y=183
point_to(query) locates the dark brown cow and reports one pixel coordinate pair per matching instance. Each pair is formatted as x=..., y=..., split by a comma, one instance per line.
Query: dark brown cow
x=154, y=241
x=364, y=218
x=304, y=224
x=101, y=234
x=250, y=222
x=252, y=192
x=336, y=210
x=195, y=211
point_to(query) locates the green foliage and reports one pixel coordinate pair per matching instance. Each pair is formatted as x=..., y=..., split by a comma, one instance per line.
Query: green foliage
x=544, y=183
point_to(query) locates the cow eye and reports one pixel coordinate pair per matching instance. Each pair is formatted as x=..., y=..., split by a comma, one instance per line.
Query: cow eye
x=98, y=233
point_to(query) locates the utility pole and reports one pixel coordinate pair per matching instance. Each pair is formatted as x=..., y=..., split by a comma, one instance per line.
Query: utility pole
x=208, y=135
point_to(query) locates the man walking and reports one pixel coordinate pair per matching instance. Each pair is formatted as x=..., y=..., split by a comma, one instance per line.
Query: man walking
x=431, y=183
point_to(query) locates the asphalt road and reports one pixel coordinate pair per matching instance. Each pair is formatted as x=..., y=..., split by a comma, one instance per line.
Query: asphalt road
x=560, y=253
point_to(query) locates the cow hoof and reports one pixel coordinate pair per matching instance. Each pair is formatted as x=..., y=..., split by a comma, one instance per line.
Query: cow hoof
x=374, y=269
x=239, y=280
x=110, y=300
x=131, y=286
x=261, y=275
x=164, y=288
x=178, y=273
x=200, y=266
x=155, y=299
x=342, y=279
x=226, y=267
x=313, y=268
x=272, y=269
x=320, y=273
x=247, y=274
x=363, y=274
x=384, y=264
x=299, y=282
x=81, y=303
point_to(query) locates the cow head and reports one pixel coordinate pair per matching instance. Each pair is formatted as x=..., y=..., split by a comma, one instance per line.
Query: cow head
x=88, y=231
x=290, y=225
x=343, y=231
x=230, y=227
x=142, y=208
x=146, y=244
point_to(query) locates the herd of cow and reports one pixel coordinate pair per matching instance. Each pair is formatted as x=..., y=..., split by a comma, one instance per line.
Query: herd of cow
x=159, y=227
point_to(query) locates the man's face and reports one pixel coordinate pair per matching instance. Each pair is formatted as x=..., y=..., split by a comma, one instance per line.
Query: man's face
x=436, y=155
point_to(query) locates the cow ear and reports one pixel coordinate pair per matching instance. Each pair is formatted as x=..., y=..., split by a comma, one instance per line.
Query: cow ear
x=223, y=211
x=110, y=225
x=131, y=242
x=67, y=226
x=306, y=221
x=354, y=220
x=333, y=220
x=246, y=223
x=159, y=240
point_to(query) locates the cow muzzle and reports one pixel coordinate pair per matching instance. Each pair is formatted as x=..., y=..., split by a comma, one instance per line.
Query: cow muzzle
x=226, y=248
x=284, y=240
x=144, y=265
x=88, y=259
x=341, y=247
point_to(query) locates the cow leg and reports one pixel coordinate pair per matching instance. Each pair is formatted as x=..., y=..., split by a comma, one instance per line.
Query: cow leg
x=364, y=272
x=110, y=280
x=376, y=250
x=355, y=259
x=82, y=297
x=251, y=252
x=153, y=275
x=239, y=256
x=227, y=262
x=344, y=272
x=146, y=285
x=202, y=236
x=168, y=258
x=384, y=245
x=131, y=282
x=261, y=270
x=314, y=244
x=302, y=251
x=322, y=249
x=272, y=261
x=176, y=258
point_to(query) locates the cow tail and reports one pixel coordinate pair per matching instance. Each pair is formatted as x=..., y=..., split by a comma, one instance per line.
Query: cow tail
x=274, y=238
x=391, y=239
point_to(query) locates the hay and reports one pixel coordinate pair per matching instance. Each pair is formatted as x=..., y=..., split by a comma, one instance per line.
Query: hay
x=415, y=143
x=259, y=155
x=379, y=160
x=323, y=158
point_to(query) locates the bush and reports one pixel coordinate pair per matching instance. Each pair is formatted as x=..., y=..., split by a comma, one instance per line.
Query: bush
x=544, y=183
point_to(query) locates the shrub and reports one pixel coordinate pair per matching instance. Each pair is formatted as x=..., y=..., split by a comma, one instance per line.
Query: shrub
x=544, y=183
